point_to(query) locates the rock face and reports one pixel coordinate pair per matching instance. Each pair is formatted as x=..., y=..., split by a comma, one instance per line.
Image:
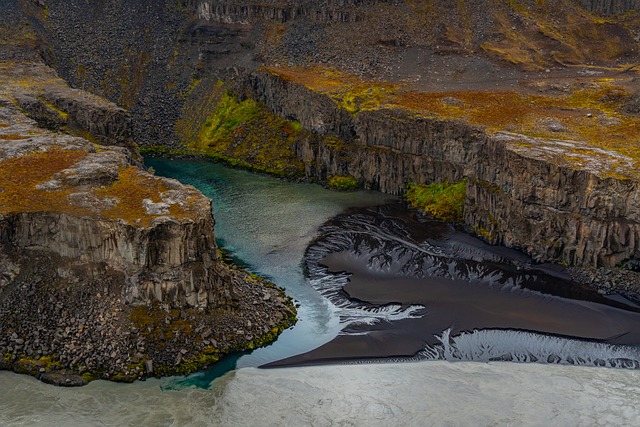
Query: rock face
x=168, y=262
x=146, y=56
x=234, y=11
x=611, y=7
x=45, y=98
x=107, y=271
x=551, y=211
x=164, y=257
x=516, y=196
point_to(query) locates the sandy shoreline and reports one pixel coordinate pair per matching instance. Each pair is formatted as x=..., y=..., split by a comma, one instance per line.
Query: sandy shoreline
x=502, y=297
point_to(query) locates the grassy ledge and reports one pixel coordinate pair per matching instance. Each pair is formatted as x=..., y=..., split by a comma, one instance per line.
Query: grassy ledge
x=343, y=183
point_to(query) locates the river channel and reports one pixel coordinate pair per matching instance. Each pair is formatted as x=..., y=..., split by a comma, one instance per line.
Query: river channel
x=377, y=283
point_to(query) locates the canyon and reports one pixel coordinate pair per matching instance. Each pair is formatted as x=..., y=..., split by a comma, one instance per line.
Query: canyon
x=550, y=186
x=533, y=104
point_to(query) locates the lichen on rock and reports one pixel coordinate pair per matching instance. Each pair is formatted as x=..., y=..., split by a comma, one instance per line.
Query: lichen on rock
x=107, y=271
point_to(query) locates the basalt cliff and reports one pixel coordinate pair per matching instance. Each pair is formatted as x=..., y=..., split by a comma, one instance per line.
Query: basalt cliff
x=106, y=271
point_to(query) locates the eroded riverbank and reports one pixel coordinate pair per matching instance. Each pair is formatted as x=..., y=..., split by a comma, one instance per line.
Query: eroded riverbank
x=412, y=283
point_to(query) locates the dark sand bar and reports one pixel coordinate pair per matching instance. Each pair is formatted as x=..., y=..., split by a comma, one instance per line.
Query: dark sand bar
x=462, y=284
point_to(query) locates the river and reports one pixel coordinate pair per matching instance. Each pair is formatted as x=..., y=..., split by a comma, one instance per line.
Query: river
x=268, y=224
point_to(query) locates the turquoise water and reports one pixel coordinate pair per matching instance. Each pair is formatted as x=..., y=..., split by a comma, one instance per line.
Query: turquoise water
x=266, y=224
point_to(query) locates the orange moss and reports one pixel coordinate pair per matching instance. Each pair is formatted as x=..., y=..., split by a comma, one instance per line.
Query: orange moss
x=537, y=34
x=582, y=114
x=20, y=176
x=349, y=92
x=12, y=136
x=494, y=110
x=130, y=189
x=588, y=112
x=319, y=79
x=274, y=33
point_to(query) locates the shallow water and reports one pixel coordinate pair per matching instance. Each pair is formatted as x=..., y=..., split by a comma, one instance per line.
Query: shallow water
x=266, y=224
x=413, y=288
x=407, y=394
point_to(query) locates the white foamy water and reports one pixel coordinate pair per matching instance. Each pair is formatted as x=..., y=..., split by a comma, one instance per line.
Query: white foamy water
x=411, y=394
x=522, y=346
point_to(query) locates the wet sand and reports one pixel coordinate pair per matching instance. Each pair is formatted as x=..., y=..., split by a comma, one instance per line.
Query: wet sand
x=538, y=299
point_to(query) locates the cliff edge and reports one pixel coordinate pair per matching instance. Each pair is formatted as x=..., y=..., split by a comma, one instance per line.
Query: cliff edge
x=106, y=271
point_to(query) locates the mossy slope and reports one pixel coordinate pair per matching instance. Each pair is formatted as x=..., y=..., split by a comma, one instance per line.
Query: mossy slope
x=442, y=201
x=217, y=124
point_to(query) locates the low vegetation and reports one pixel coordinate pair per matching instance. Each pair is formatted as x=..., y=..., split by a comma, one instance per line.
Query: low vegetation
x=243, y=133
x=22, y=189
x=584, y=111
x=442, y=201
x=350, y=93
x=130, y=189
x=342, y=183
x=20, y=176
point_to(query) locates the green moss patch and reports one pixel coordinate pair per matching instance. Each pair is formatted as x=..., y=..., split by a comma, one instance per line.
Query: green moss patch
x=342, y=183
x=243, y=133
x=349, y=92
x=443, y=201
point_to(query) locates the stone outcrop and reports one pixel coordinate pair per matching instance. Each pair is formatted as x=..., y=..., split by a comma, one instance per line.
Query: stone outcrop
x=522, y=198
x=93, y=248
x=234, y=11
x=107, y=271
x=384, y=149
x=47, y=99
x=166, y=258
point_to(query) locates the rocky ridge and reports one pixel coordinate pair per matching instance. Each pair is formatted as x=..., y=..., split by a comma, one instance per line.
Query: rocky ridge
x=107, y=271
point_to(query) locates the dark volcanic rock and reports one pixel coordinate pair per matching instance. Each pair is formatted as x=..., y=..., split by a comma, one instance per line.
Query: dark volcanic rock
x=611, y=7
x=520, y=191
x=106, y=271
